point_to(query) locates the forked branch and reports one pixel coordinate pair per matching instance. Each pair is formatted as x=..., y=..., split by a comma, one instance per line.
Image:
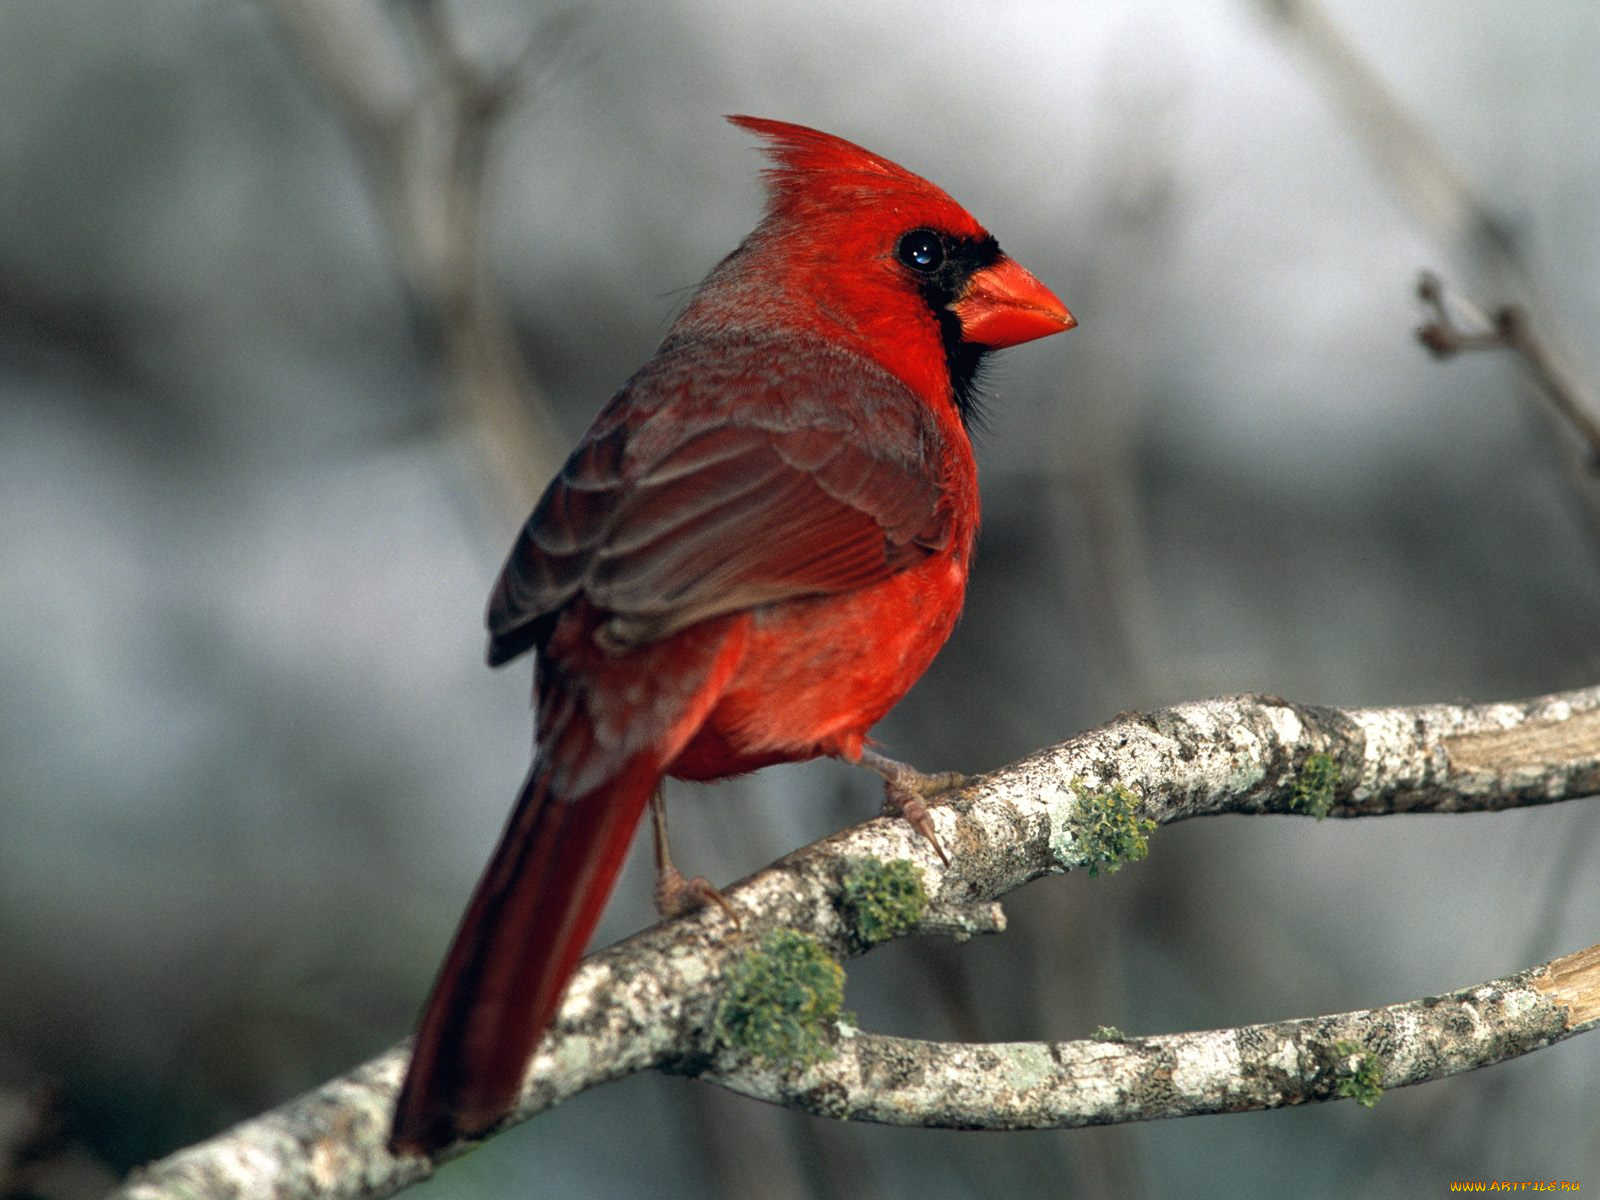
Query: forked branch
x=653, y=1001
x=1508, y=328
x=421, y=114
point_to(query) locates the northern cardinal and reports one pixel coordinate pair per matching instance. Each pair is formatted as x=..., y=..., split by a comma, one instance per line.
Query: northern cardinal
x=754, y=552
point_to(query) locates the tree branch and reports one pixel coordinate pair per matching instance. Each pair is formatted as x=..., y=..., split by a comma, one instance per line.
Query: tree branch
x=1408, y=156
x=1509, y=328
x=653, y=1001
x=1114, y=1078
x=422, y=133
x=1449, y=209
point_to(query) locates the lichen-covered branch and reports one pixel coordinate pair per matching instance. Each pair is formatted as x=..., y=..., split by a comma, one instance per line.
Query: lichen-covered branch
x=1115, y=1078
x=1094, y=802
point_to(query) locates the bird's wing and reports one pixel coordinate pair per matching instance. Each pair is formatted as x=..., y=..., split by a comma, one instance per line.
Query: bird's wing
x=723, y=478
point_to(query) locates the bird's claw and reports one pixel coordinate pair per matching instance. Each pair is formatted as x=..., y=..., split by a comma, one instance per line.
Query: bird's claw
x=899, y=801
x=907, y=790
x=676, y=896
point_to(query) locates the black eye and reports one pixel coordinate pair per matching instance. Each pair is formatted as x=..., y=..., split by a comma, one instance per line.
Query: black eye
x=921, y=250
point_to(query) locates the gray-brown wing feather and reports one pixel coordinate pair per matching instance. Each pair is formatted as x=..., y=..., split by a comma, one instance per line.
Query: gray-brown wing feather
x=809, y=474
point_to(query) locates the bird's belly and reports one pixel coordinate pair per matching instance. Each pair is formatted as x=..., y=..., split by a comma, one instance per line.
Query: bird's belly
x=818, y=673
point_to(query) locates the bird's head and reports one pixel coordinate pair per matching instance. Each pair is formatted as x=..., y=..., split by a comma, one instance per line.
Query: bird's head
x=858, y=248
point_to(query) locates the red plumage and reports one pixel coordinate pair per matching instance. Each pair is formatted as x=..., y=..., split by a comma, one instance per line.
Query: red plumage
x=754, y=552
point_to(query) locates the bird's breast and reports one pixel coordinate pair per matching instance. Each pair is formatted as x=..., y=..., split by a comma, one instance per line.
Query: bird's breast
x=817, y=673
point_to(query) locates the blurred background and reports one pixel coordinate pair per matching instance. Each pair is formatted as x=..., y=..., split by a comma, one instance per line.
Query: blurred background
x=300, y=301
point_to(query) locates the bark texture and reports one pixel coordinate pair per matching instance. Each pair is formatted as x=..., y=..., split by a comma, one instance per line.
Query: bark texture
x=1090, y=803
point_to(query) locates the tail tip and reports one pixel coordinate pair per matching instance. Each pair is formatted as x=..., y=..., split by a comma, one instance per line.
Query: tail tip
x=422, y=1130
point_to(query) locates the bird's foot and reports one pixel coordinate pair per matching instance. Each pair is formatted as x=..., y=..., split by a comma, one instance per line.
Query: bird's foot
x=676, y=895
x=906, y=792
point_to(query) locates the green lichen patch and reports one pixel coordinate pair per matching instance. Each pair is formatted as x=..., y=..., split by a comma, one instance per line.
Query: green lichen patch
x=881, y=900
x=1107, y=1033
x=1315, y=786
x=1107, y=828
x=1359, y=1074
x=782, y=1001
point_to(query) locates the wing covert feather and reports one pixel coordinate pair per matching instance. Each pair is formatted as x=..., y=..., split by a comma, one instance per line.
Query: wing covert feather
x=779, y=470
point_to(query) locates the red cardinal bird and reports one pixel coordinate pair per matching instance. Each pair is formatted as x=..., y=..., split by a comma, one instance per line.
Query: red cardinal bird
x=757, y=548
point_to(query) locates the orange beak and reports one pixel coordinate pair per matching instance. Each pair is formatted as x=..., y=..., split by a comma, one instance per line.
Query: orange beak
x=1004, y=305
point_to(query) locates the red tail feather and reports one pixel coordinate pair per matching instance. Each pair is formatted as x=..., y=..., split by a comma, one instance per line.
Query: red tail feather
x=534, y=909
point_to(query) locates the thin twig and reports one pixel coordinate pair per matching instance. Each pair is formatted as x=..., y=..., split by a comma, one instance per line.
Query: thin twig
x=1508, y=328
x=1449, y=209
x=423, y=134
x=650, y=1002
x=1409, y=157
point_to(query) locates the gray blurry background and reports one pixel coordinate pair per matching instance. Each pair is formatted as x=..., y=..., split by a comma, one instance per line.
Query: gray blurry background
x=250, y=762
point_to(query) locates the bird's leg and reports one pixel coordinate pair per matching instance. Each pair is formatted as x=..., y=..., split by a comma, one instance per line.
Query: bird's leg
x=676, y=895
x=906, y=791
